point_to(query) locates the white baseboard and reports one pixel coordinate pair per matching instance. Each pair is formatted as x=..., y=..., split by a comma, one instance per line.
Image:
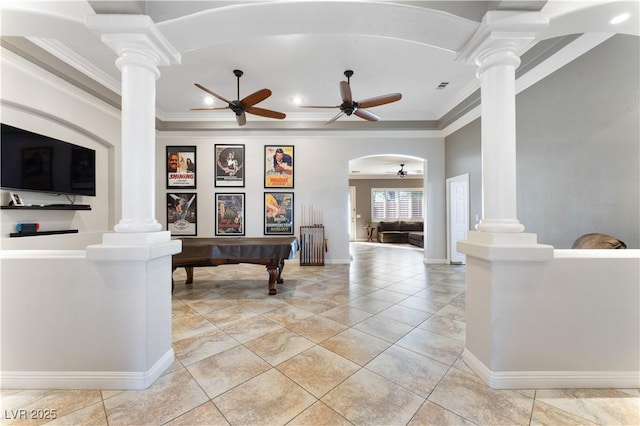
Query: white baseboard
x=435, y=261
x=552, y=379
x=104, y=380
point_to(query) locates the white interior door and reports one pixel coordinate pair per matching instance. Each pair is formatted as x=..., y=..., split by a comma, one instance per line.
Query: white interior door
x=352, y=213
x=457, y=215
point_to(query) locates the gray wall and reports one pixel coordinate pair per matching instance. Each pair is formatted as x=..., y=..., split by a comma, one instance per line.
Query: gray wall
x=363, y=198
x=578, y=149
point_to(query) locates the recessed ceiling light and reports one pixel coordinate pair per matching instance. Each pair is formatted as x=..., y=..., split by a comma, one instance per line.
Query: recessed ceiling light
x=296, y=100
x=208, y=100
x=620, y=18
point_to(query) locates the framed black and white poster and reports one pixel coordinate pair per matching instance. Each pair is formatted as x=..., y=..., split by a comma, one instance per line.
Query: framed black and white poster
x=182, y=216
x=181, y=167
x=230, y=214
x=278, y=213
x=229, y=165
x=278, y=166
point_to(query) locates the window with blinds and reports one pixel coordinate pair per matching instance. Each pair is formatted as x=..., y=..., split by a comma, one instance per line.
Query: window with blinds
x=396, y=204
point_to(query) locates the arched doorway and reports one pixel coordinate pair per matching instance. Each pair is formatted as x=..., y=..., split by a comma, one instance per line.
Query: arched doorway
x=383, y=172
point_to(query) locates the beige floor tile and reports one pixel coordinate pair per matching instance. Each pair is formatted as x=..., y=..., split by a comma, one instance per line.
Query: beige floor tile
x=405, y=315
x=319, y=415
x=371, y=305
x=602, y=406
x=208, y=306
x=388, y=295
x=346, y=315
x=431, y=414
x=170, y=396
x=287, y=315
x=318, y=370
x=221, y=372
x=384, y=328
x=17, y=406
x=317, y=328
x=206, y=414
x=368, y=399
x=268, y=399
x=418, y=373
x=278, y=346
x=93, y=415
x=544, y=414
x=445, y=326
x=190, y=325
x=196, y=348
x=231, y=314
x=436, y=346
x=251, y=328
x=311, y=303
x=422, y=304
x=467, y=396
x=356, y=346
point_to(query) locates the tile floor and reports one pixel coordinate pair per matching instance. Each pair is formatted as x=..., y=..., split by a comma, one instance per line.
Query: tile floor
x=377, y=342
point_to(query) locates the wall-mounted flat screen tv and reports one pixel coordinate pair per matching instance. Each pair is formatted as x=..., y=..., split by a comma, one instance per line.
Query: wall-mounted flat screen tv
x=34, y=162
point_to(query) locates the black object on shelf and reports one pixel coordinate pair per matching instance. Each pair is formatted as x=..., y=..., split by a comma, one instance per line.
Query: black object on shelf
x=49, y=207
x=33, y=234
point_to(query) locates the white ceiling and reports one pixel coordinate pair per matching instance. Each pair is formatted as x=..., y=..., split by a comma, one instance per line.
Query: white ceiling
x=301, y=49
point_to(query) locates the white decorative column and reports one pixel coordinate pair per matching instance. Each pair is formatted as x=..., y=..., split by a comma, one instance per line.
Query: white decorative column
x=141, y=48
x=504, y=264
x=495, y=48
x=134, y=263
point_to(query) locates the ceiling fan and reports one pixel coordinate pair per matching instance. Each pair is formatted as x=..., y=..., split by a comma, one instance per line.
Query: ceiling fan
x=402, y=172
x=349, y=106
x=240, y=106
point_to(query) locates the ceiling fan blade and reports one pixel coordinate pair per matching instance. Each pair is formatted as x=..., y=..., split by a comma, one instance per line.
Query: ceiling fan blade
x=241, y=119
x=318, y=106
x=338, y=115
x=367, y=115
x=379, y=100
x=265, y=112
x=345, y=92
x=200, y=86
x=256, y=97
x=208, y=108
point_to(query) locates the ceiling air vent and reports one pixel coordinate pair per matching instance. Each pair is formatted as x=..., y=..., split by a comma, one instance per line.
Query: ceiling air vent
x=442, y=85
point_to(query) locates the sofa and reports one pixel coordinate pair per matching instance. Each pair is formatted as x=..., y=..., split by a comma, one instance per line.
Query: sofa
x=401, y=232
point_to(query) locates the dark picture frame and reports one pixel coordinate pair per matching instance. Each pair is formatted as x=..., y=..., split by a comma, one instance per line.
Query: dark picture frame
x=230, y=217
x=278, y=213
x=278, y=166
x=181, y=167
x=15, y=199
x=182, y=213
x=229, y=161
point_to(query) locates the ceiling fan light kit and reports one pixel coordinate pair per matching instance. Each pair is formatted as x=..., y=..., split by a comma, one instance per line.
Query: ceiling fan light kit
x=242, y=106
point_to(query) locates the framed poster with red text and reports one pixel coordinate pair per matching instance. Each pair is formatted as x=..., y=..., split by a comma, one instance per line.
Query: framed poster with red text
x=181, y=167
x=278, y=166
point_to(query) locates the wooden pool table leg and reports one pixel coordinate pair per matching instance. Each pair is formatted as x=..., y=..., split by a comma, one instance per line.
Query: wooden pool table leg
x=273, y=278
x=280, y=268
x=189, y=271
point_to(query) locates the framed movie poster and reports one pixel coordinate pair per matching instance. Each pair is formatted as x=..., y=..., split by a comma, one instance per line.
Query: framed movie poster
x=229, y=165
x=278, y=166
x=278, y=213
x=230, y=214
x=181, y=167
x=182, y=218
